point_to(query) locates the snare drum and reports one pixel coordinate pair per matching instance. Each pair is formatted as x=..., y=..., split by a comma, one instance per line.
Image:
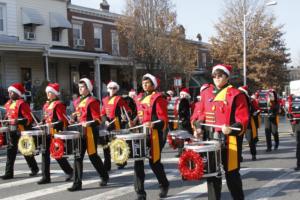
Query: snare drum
x=72, y=142
x=137, y=145
x=39, y=139
x=4, y=136
x=210, y=152
x=104, y=137
x=178, y=137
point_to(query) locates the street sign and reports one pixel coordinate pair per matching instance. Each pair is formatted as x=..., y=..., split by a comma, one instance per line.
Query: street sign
x=177, y=82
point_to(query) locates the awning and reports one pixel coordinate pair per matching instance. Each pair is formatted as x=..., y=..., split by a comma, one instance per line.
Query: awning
x=57, y=20
x=31, y=16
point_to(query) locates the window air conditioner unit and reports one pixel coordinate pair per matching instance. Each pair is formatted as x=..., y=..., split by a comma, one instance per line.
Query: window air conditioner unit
x=80, y=42
x=29, y=36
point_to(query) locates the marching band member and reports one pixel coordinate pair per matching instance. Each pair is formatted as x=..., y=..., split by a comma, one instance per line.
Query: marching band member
x=19, y=114
x=222, y=104
x=294, y=116
x=54, y=111
x=184, y=113
x=151, y=107
x=87, y=109
x=113, y=109
x=271, y=120
x=251, y=132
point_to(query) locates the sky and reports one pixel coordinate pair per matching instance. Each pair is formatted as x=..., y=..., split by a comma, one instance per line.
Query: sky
x=200, y=16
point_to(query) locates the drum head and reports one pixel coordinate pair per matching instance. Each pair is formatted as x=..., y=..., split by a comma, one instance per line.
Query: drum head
x=33, y=132
x=132, y=136
x=121, y=131
x=203, y=146
x=177, y=133
x=4, y=129
x=67, y=135
x=103, y=132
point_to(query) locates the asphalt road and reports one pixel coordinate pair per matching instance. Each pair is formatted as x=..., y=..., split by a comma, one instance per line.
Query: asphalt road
x=270, y=177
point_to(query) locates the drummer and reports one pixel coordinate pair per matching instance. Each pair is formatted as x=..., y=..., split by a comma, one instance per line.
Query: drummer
x=184, y=113
x=151, y=107
x=251, y=132
x=87, y=113
x=114, y=114
x=54, y=111
x=19, y=115
x=222, y=104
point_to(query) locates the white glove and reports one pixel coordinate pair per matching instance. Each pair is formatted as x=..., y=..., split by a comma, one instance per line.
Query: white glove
x=198, y=133
x=106, y=123
x=226, y=129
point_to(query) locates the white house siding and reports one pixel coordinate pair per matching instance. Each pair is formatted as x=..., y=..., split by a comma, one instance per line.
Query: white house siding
x=10, y=69
x=43, y=32
x=11, y=19
x=63, y=76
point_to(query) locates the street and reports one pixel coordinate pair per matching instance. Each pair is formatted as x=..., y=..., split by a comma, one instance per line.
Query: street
x=270, y=177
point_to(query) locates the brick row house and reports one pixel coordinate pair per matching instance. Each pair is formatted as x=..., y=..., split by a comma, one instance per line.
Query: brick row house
x=53, y=40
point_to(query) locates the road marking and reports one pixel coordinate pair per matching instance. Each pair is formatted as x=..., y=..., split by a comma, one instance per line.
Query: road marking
x=272, y=187
x=173, y=175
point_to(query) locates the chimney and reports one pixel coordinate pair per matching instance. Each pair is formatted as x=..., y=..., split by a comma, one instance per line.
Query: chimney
x=104, y=6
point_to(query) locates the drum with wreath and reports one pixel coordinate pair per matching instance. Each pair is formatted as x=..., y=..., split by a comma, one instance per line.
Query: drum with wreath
x=32, y=142
x=177, y=138
x=65, y=143
x=4, y=136
x=200, y=159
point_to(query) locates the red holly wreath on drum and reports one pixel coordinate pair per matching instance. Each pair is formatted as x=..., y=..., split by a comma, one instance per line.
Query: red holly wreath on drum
x=57, y=148
x=1, y=139
x=190, y=158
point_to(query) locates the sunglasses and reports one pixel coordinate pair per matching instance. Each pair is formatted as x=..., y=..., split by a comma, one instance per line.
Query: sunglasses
x=112, y=88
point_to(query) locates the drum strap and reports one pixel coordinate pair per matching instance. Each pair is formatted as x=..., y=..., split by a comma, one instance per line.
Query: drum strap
x=21, y=127
x=175, y=125
x=117, y=124
x=155, y=145
x=90, y=141
x=232, y=156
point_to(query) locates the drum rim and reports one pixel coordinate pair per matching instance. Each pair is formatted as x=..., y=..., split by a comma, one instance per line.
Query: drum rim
x=67, y=135
x=131, y=136
x=5, y=129
x=185, y=131
x=121, y=131
x=33, y=132
x=197, y=148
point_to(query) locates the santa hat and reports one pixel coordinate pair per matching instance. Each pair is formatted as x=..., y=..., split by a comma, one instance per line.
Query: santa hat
x=112, y=84
x=88, y=83
x=17, y=88
x=152, y=78
x=185, y=92
x=226, y=68
x=132, y=92
x=244, y=89
x=53, y=88
x=170, y=92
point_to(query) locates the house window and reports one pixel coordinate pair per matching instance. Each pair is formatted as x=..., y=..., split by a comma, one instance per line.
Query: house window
x=115, y=43
x=77, y=31
x=56, y=34
x=29, y=32
x=203, y=55
x=2, y=18
x=98, y=38
x=53, y=72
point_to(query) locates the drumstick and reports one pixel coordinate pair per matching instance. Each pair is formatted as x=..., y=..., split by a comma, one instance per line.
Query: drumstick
x=45, y=125
x=111, y=122
x=9, y=120
x=219, y=126
x=68, y=118
x=175, y=120
x=80, y=124
x=34, y=119
x=139, y=126
x=126, y=114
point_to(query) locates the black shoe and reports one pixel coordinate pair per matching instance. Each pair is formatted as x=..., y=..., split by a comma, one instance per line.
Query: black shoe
x=276, y=147
x=297, y=168
x=163, y=192
x=75, y=187
x=253, y=158
x=268, y=150
x=69, y=177
x=44, y=181
x=103, y=182
x=7, y=176
x=241, y=159
x=34, y=173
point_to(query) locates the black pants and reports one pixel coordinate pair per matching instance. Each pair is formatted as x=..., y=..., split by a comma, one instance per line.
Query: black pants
x=139, y=175
x=234, y=184
x=297, y=130
x=63, y=162
x=94, y=158
x=271, y=128
x=251, y=141
x=12, y=150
